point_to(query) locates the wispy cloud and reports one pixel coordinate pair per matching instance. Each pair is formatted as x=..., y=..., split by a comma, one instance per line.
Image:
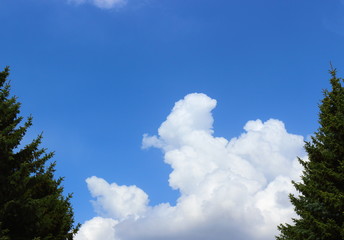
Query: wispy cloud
x=229, y=189
x=105, y=4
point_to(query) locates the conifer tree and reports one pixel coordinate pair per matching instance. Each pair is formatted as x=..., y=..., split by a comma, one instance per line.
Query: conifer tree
x=320, y=205
x=32, y=204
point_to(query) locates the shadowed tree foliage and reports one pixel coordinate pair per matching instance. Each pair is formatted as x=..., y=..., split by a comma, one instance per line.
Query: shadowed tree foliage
x=320, y=205
x=32, y=204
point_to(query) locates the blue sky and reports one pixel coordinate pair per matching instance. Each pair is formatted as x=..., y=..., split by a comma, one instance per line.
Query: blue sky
x=97, y=75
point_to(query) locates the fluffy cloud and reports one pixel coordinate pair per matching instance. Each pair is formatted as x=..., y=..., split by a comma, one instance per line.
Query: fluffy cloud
x=229, y=189
x=98, y=228
x=105, y=4
x=119, y=202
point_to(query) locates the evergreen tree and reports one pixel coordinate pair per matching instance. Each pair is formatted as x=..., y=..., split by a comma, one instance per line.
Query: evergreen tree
x=320, y=205
x=32, y=205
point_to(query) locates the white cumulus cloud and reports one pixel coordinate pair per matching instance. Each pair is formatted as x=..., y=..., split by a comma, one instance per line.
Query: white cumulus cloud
x=119, y=202
x=97, y=228
x=229, y=189
x=105, y=4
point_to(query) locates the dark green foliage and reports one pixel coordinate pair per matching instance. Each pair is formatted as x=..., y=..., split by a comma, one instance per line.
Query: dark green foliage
x=320, y=205
x=32, y=205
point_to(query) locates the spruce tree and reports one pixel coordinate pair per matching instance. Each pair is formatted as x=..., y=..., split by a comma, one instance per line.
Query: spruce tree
x=320, y=205
x=32, y=204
